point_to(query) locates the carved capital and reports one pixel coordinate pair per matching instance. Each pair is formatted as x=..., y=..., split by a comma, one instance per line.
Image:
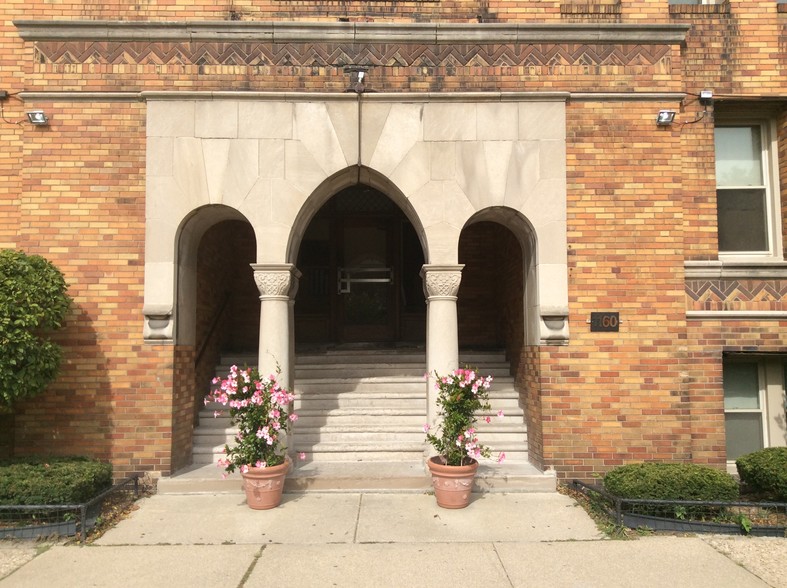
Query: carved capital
x=276, y=281
x=441, y=280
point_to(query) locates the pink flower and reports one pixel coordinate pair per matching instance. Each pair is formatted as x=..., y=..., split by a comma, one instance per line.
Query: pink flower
x=217, y=413
x=501, y=458
x=244, y=469
x=293, y=417
x=488, y=419
x=500, y=414
x=427, y=427
x=301, y=455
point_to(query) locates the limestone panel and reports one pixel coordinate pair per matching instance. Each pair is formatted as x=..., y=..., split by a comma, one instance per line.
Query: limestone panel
x=215, y=155
x=542, y=121
x=552, y=160
x=300, y=167
x=217, y=119
x=443, y=160
x=271, y=164
x=344, y=119
x=170, y=119
x=240, y=173
x=457, y=207
x=373, y=117
x=286, y=202
x=497, y=159
x=159, y=156
x=414, y=170
x=402, y=130
x=189, y=170
x=442, y=243
x=498, y=121
x=471, y=172
x=447, y=121
x=429, y=203
x=552, y=242
x=552, y=289
x=522, y=174
x=546, y=203
x=314, y=130
x=265, y=120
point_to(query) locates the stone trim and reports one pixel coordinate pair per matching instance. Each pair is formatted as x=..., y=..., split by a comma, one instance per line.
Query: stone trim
x=158, y=327
x=77, y=96
x=359, y=32
x=702, y=270
x=739, y=315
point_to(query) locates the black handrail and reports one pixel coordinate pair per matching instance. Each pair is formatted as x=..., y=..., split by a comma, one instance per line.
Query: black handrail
x=213, y=324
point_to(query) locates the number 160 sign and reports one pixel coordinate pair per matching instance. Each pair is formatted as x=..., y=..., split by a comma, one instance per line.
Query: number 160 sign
x=604, y=321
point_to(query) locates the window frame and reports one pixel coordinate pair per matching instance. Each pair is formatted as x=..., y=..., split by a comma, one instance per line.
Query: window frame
x=771, y=384
x=770, y=164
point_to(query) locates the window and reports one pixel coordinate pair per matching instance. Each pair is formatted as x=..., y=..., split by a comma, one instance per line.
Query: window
x=754, y=405
x=748, y=218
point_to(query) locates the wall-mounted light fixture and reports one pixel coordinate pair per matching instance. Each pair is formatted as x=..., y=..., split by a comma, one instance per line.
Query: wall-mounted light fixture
x=357, y=76
x=665, y=118
x=706, y=97
x=38, y=118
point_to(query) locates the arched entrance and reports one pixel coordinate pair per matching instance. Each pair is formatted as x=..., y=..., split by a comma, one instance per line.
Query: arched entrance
x=218, y=302
x=360, y=259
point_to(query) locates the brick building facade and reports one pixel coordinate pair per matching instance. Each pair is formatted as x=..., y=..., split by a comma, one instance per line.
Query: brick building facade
x=513, y=151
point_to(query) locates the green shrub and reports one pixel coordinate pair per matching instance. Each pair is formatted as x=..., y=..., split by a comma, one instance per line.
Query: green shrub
x=765, y=471
x=671, y=481
x=33, y=299
x=55, y=480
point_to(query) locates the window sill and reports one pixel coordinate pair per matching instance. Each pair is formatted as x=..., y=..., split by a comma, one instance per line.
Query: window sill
x=723, y=269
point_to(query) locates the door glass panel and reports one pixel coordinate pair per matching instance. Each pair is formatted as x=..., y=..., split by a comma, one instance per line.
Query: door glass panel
x=365, y=280
x=744, y=433
x=741, y=386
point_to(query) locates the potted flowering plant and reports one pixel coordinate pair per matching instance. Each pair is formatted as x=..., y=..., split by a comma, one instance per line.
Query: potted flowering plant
x=461, y=395
x=260, y=408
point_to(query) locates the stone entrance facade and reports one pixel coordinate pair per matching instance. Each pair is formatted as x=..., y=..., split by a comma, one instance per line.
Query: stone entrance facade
x=519, y=141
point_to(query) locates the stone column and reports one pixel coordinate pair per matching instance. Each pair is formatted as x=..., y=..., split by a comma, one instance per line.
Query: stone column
x=277, y=284
x=441, y=284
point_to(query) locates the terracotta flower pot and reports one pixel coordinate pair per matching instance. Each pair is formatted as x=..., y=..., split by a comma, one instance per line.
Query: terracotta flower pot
x=452, y=484
x=264, y=486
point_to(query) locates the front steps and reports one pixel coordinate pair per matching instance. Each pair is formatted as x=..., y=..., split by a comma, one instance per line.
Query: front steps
x=361, y=416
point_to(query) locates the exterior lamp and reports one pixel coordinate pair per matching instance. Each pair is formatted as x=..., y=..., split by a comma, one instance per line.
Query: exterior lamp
x=665, y=118
x=38, y=118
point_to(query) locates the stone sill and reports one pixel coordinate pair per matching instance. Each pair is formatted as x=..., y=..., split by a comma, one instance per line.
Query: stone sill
x=700, y=9
x=702, y=270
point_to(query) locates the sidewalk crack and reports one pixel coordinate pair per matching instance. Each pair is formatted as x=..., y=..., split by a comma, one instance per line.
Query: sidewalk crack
x=502, y=565
x=357, y=519
x=252, y=565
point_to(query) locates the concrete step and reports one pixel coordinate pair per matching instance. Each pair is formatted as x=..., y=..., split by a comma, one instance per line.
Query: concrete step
x=366, y=408
x=354, y=477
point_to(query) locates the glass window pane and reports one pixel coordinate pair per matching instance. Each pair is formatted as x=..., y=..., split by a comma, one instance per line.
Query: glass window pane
x=744, y=433
x=741, y=386
x=738, y=156
x=742, y=221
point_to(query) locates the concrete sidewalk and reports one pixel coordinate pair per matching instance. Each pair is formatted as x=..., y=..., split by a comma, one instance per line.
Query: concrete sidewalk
x=376, y=540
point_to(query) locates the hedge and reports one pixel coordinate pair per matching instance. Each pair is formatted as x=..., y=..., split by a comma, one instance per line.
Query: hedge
x=765, y=471
x=671, y=481
x=54, y=480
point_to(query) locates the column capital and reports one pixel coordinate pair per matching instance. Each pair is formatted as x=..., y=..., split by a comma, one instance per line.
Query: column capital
x=276, y=281
x=441, y=281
